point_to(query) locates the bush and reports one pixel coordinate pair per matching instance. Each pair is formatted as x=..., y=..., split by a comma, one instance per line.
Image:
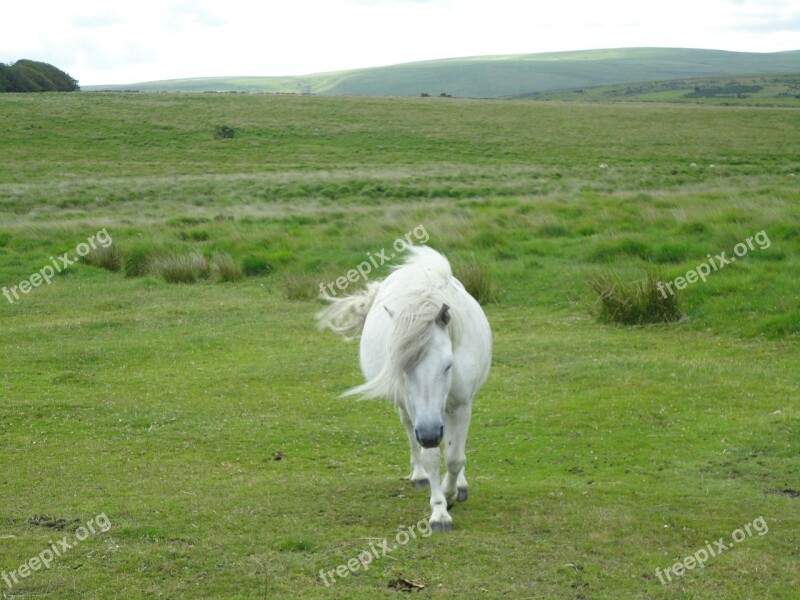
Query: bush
x=225, y=268
x=180, y=268
x=224, y=132
x=33, y=76
x=637, y=303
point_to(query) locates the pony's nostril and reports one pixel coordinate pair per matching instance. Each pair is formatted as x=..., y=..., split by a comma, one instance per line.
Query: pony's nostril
x=429, y=437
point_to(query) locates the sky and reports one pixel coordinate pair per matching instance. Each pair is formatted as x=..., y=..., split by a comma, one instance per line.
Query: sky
x=112, y=42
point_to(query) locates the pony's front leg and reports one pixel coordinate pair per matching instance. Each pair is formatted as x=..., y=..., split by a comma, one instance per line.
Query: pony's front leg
x=418, y=477
x=440, y=519
x=456, y=421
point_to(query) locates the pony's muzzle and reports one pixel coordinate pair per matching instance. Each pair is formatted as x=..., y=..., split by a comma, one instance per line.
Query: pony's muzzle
x=429, y=436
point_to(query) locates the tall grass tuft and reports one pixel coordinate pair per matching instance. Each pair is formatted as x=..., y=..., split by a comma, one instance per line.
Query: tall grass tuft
x=477, y=280
x=301, y=286
x=180, y=268
x=636, y=303
x=104, y=257
x=225, y=268
x=136, y=260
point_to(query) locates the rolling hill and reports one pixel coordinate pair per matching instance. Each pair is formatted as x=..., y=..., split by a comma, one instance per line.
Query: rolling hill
x=500, y=76
x=771, y=90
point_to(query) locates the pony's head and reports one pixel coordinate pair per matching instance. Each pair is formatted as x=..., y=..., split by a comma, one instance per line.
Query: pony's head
x=422, y=350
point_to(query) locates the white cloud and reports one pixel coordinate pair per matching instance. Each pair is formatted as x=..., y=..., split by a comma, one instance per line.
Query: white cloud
x=124, y=42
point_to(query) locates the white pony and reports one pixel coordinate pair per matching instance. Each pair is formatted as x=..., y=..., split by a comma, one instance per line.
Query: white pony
x=426, y=346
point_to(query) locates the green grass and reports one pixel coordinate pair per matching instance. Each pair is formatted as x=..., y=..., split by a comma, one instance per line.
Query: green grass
x=497, y=76
x=204, y=420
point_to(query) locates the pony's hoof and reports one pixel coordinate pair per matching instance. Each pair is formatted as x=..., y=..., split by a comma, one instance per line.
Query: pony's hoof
x=441, y=526
x=421, y=483
x=462, y=495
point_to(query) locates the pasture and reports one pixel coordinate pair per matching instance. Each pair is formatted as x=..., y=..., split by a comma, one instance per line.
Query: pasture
x=203, y=419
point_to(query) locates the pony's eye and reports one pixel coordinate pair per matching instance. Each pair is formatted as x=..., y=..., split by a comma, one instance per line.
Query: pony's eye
x=447, y=368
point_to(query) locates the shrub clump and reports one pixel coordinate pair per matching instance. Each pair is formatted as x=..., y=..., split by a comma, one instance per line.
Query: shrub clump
x=638, y=303
x=224, y=132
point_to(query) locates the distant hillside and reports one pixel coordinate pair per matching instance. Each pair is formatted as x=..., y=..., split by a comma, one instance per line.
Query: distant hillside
x=500, y=76
x=32, y=76
x=767, y=90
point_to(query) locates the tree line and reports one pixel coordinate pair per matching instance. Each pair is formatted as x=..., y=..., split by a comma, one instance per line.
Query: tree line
x=32, y=76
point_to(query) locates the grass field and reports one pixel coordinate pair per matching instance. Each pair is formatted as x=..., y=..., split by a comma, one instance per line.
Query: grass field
x=203, y=420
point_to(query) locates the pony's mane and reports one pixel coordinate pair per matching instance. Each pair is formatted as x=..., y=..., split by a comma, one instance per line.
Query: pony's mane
x=428, y=284
x=427, y=258
x=346, y=316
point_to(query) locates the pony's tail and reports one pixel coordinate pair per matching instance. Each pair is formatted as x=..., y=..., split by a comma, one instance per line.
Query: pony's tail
x=346, y=316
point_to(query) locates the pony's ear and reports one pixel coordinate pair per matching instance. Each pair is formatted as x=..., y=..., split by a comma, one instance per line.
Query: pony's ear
x=388, y=312
x=443, y=318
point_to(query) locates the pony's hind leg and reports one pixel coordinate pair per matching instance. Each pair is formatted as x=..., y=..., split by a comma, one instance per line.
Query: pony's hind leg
x=418, y=477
